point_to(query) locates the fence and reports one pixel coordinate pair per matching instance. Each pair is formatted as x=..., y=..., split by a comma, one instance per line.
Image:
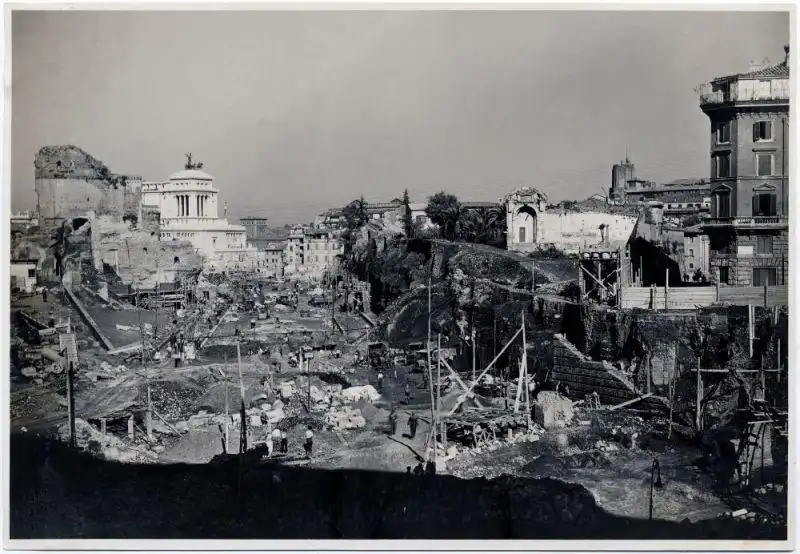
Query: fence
x=689, y=298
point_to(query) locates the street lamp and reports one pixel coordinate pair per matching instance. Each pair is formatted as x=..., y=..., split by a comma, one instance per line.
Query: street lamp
x=655, y=472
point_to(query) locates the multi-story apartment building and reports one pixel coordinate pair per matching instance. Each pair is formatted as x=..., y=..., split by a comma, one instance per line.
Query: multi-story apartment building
x=749, y=225
x=275, y=257
x=695, y=252
x=312, y=251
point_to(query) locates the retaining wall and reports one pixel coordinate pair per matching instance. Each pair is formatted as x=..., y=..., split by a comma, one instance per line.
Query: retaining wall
x=584, y=376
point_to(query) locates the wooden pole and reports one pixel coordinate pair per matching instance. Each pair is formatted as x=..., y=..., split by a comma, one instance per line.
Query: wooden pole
x=428, y=344
x=698, y=419
x=525, y=366
x=717, y=289
x=666, y=291
x=439, y=375
x=766, y=290
x=671, y=401
x=149, y=414
x=533, y=276
x=71, y=402
x=474, y=337
x=227, y=405
x=750, y=327
x=485, y=371
x=243, y=438
x=641, y=271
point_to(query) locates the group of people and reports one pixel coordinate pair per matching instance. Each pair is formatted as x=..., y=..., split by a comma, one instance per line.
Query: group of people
x=413, y=421
x=419, y=470
x=278, y=439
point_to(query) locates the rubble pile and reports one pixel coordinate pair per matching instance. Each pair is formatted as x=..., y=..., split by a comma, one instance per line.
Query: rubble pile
x=107, y=446
x=552, y=410
x=344, y=418
x=105, y=371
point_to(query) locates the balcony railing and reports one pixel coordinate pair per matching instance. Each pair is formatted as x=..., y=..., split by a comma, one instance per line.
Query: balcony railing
x=735, y=95
x=744, y=221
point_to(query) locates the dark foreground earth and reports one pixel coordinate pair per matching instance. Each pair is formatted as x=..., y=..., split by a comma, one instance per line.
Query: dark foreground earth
x=60, y=493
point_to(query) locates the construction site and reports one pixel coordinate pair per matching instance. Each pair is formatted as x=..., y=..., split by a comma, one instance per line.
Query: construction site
x=478, y=371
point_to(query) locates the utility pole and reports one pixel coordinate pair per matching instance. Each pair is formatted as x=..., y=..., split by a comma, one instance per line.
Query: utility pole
x=71, y=402
x=227, y=408
x=243, y=438
x=525, y=365
x=428, y=343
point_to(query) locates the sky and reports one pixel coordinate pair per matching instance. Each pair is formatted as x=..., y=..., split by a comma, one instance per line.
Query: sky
x=297, y=112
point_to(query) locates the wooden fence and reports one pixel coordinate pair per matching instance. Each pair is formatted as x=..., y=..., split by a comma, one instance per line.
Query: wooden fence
x=690, y=298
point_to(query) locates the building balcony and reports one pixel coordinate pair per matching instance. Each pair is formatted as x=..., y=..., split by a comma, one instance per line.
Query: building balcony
x=777, y=94
x=754, y=222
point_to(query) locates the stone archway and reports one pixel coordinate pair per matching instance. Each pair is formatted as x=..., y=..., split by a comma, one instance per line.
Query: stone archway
x=525, y=225
x=524, y=208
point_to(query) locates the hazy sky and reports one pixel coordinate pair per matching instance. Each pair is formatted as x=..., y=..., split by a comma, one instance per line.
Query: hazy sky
x=295, y=112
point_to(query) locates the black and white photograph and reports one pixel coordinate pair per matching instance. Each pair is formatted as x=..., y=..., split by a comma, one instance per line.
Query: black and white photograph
x=380, y=272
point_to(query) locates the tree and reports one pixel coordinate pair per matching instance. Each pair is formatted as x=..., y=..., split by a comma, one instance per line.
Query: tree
x=132, y=217
x=59, y=247
x=355, y=216
x=445, y=210
x=408, y=224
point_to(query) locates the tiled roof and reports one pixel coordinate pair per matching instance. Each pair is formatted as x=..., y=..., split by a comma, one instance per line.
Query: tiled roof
x=780, y=70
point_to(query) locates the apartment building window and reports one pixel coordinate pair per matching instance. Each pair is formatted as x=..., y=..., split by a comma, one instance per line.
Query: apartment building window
x=764, y=164
x=723, y=132
x=722, y=164
x=724, y=275
x=764, y=244
x=722, y=200
x=762, y=131
x=765, y=204
x=765, y=276
x=691, y=251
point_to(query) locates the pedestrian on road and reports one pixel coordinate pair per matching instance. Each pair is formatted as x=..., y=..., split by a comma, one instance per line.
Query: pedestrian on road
x=419, y=470
x=284, y=442
x=252, y=323
x=309, y=444
x=412, y=425
x=44, y=295
x=275, y=440
x=408, y=393
x=380, y=380
x=393, y=422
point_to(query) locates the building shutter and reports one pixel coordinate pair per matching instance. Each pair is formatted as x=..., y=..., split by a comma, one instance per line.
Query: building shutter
x=773, y=204
x=755, y=132
x=767, y=130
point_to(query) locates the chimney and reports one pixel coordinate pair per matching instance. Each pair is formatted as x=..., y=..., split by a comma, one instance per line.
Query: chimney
x=786, y=59
x=754, y=66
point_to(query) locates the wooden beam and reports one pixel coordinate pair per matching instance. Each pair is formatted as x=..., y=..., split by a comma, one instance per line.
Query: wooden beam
x=461, y=383
x=488, y=367
x=593, y=277
x=629, y=402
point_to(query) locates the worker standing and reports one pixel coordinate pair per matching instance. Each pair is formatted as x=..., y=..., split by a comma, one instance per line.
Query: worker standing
x=380, y=380
x=309, y=444
x=412, y=425
x=408, y=393
x=274, y=440
x=44, y=295
x=393, y=422
x=284, y=442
